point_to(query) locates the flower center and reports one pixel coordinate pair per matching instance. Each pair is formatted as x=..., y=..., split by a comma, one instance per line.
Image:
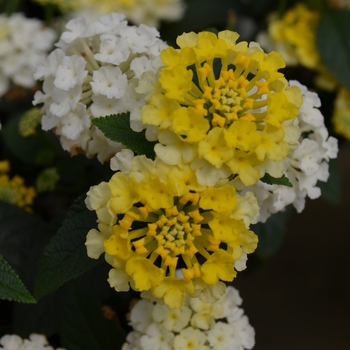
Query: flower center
x=171, y=233
x=230, y=97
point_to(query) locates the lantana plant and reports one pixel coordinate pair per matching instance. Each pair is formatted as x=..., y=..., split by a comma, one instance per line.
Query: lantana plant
x=140, y=167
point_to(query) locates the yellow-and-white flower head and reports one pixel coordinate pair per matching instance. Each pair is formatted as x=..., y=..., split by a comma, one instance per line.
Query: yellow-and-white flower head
x=221, y=107
x=154, y=218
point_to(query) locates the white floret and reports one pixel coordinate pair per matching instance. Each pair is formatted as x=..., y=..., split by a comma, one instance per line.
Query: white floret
x=157, y=338
x=189, y=339
x=141, y=315
x=113, y=49
x=70, y=73
x=110, y=82
x=220, y=337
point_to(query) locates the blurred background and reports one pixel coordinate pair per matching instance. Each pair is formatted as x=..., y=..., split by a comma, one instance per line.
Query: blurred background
x=300, y=296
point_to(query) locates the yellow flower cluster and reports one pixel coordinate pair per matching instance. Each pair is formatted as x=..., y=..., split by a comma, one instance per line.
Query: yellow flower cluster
x=222, y=107
x=296, y=31
x=341, y=115
x=13, y=190
x=154, y=218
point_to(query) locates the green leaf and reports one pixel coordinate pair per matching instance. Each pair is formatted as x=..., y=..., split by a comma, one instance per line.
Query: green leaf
x=270, y=180
x=271, y=233
x=333, y=42
x=65, y=257
x=11, y=286
x=331, y=190
x=116, y=127
x=19, y=233
x=83, y=327
x=41, y=317
x=36, y=149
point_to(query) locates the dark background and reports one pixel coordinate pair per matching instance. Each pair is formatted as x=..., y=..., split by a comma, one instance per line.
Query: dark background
x=299, y=299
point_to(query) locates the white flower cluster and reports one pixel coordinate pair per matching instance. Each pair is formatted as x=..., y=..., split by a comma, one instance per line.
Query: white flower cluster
x=93, y=73
x=197, y=325
x=24, y=44
x=306, y=163
x=35, y=342
x=149, y=12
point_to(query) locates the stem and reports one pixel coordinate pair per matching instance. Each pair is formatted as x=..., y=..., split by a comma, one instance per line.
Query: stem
x=89, y=55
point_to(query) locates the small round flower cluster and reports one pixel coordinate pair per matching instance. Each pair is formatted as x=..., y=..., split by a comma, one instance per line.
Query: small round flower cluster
x=306, y=163
x=197, y=325
x=153, y=218
x=35, y=342
x=29, y=122
x=149, y=12
x=24, y=44
x=93, y=73
x=13, y=190
x=221, y=107
x=47, y=180
x=294, y=36
x=341, y=114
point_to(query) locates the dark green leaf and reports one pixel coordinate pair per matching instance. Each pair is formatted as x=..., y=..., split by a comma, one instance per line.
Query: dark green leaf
x=65, y=257
x=11, y=287
x=271, y=233
x=36, y=149
x=18, y=234
x=270, y=180
x=83, y=327
x=116, y=127
x=331, y=190
x=41, y=317
x=333, y=42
